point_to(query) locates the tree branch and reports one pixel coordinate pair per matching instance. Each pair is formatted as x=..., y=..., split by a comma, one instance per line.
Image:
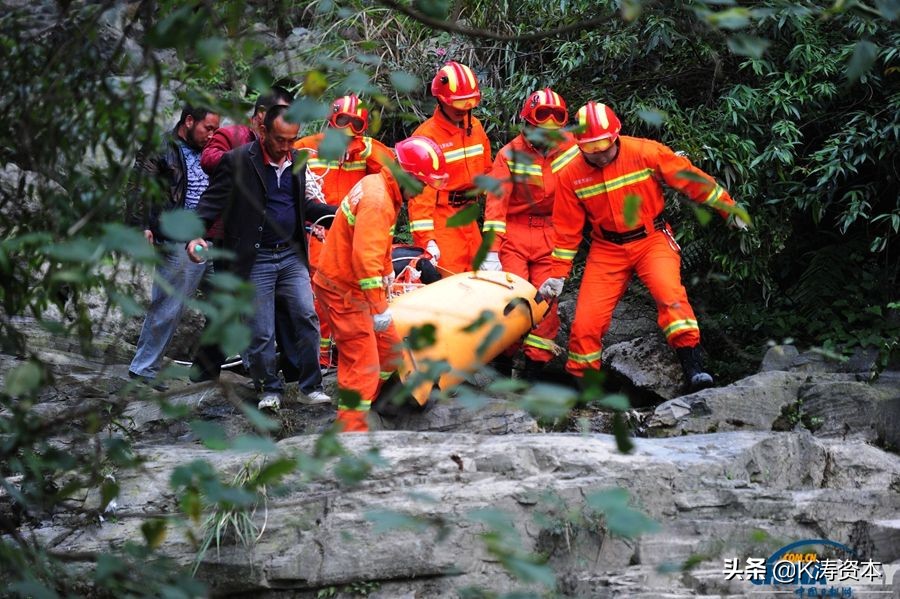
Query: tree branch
x=455, y=27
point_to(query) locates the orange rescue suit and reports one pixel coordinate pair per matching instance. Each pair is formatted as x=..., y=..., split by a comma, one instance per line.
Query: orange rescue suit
x=520, y=216
x=468, y=155
x=619, y=248
x=350, y=287
x=364, y=156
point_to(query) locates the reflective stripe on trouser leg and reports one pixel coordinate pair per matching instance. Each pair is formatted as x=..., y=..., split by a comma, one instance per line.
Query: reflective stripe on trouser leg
x=659, y=267
x=526, y=251
x=606, y=275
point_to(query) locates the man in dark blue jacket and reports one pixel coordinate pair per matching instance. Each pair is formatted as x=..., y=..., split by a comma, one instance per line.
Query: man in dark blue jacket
x=177, y=173
x=264, y=208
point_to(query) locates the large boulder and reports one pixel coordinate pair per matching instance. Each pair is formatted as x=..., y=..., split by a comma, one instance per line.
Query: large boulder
x=708, y=493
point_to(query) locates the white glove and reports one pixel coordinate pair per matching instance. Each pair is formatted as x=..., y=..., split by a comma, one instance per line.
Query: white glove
x=552, y=287
x=491, y=262
x=433, y=249
x=383, y=321
x=738, y=223
x=388, y=280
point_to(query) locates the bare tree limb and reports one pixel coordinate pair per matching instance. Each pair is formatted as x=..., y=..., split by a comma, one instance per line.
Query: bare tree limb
x=455, y=27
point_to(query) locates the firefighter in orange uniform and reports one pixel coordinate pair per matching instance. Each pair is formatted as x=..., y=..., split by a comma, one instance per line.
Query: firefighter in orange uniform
x=355, y=271
x=468, y=153
x=520, y=214
x=364, y=156
x=595, y=187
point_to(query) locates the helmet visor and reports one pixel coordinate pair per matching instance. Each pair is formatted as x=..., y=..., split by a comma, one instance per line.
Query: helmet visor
x=464, y=104
x=356, y=124
x=599, y=145
x=557, y=114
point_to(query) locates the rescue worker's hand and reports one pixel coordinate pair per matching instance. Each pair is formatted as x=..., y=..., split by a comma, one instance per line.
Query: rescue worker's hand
x=388, y=280
x=433, y=249
x=192, y=246
x=318, y=231
x=736, y=222
x=491, y=262
x=552, y=287
x=383, y=321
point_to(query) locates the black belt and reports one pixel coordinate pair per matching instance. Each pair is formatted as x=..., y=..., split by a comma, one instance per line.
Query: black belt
x=277, y=247
x=659, y=223
x=460, y=198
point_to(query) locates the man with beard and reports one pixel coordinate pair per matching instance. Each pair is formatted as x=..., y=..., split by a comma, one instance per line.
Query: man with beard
x=179, y=183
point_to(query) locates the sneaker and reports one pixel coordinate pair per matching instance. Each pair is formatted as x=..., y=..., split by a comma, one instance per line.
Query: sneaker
x=269, y=401
x=314, y=397
x=149, y=381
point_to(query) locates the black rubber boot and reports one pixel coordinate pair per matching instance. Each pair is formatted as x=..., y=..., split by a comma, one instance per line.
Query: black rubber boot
x=695, y=377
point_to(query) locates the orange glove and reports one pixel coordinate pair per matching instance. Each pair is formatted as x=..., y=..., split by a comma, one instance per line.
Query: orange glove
x=352, y=421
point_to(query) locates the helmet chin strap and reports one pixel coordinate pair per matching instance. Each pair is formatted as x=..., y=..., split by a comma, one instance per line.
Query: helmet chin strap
x=468, y=116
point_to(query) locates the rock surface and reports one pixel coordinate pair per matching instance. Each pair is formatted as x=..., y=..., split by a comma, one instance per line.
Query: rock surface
x=708, y=494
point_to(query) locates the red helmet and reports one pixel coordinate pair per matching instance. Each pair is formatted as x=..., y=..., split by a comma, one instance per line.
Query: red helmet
x=598, y=127
x=545, y=109
x=455, y=84
x=348, y=111
x=423, y=159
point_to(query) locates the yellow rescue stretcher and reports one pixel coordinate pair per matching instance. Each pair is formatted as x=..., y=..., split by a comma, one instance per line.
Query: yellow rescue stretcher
x=476, y=315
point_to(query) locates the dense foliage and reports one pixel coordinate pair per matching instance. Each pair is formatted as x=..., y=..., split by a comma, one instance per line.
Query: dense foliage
x=794, y=106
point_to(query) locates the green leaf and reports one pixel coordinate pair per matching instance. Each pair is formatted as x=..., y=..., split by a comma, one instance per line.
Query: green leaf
x=405, y=82
x=211, y=434
x=130, y=241
x=631, y=9
x=333, y=144
x=489, y=184
x=748, y=45
x=261, y=79
x=436, y=9
x=653, y=117
x=154, y=532
x=274, y=471
x=211, y=51
x=358, y=82
x=703, y=216
x=235, y=338
x=616, y=401
x=467, y=215
x=226, y=281
x=549, y=401
x=108, y=566
x=304, y=110
x=622, y=433
x=632, y=210
x=23, y=379
x=259, y=420
x=388, y=520
x=181, y=225
x=315, y=84
x=126, y=303
x=109, y=490
x=487, y=241
x=732, y=18
x=889, y=9
x=421, y=337
x=349, y=398
x=76, y=250
x=33, y=590
x=864, y=55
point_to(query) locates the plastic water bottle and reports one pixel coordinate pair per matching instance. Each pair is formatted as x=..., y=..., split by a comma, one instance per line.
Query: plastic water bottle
x=199, y=250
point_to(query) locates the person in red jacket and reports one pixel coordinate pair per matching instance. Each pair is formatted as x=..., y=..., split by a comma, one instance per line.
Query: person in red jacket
x=355, y=271
x=613, y=177
x=468, y=153
x=520, y=214
x=363, y=156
